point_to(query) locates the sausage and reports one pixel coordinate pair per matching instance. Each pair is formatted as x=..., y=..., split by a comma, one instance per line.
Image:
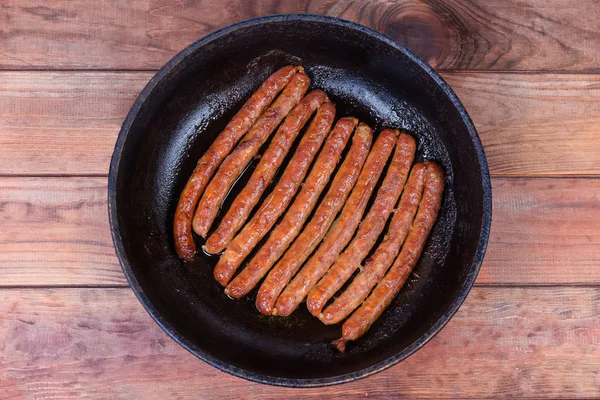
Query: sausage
x=289, y=227
x=273, y=206
x=277, y=201
x=235, y=129
x=314, y=231
x=370, y=228
x=377, y=265
x=385, y=291
x=263, y=174
x=344, y=226
x=287, y=230
x=236, y=162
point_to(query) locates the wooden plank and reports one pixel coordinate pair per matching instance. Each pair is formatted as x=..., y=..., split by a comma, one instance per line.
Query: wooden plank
x=55, y=232
x=67, y=123
x=63, y=123
x=534, y=124
x=68, y=343
x=482, y=35
x=544, y=231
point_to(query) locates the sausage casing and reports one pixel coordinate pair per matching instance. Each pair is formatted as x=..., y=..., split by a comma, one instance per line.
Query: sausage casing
x=346, y=223
x=370, y=227
x=238, y=159
x=317, y=227
x=210, y=161
x=278, y=200
x=385, y=291
x=377, y=265
x=269, y=162
x=291, y=224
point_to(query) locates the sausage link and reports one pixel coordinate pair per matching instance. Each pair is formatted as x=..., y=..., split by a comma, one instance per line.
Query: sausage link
x=236, y=162
x=377, y=265
x=385, y=291
x=277, y=201
x=289, y=227
x=235, y=129
x=370, y=228
x=270, y=161
x=345, y=225
x=307, y=241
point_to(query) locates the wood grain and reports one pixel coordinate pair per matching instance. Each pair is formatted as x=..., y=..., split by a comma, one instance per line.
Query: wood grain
x=482, y=35
x=55, y=232
x=67, y=123
x=506, y=60
x=69, y=343
x=534, y=124
x=544, y=231
x=63, y=123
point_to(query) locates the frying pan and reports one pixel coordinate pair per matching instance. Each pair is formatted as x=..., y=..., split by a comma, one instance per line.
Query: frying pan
x=190, y=100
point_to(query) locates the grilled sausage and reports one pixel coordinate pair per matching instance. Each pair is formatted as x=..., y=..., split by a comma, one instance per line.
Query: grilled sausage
x=210, y=161
x=307, y=241
x=370, y=228
x=236, y=162
x=261, y=177
x=276, y=203
x=377, y=265
x=345, y=225
x=289, y=227
x=385, y=291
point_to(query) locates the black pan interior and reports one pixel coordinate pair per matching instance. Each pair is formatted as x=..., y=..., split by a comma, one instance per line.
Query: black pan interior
x=177, y=117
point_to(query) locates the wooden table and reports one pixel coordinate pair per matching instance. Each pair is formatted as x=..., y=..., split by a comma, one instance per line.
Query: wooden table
x=527, y=71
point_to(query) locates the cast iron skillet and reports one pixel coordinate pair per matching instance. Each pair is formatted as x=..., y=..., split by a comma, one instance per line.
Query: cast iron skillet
x=190, y=100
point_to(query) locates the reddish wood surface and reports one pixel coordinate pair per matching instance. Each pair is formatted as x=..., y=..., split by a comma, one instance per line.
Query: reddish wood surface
x=63, y=122
x=67, y=343
x=55, y=232
x=544, y=231
x=496, y=35
x=529, y=124
x=528, y=73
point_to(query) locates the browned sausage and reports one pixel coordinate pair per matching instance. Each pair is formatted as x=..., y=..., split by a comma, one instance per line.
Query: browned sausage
x=238, y=126
x=316, y=228
x=370, y=228
x=344, y=226
x=236, y=162
x=289, y=227
x=263, y=174
x=377, y=265
x=277, y=201
x=385, y=291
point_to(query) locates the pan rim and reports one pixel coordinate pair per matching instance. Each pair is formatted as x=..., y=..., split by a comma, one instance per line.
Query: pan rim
x=262, y=378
